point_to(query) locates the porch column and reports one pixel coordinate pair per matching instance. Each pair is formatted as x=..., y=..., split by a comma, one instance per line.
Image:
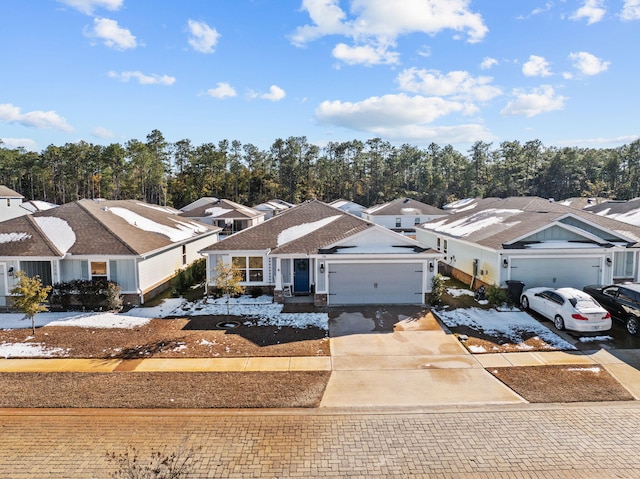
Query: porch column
x=278, y=275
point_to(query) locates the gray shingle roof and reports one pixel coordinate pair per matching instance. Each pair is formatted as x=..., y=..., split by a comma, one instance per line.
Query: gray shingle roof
x=6, y=192
x=405, y=206
x=122, y=227
x=233, y=210
x=493, y=222
x=266, y=235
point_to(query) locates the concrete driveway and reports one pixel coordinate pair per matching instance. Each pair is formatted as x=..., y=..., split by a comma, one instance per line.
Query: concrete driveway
x=399, y=356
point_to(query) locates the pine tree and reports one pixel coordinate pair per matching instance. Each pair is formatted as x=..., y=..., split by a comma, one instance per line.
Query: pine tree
x=29, y=297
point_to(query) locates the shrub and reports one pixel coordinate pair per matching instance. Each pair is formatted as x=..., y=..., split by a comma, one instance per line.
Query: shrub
x=190, y=276
x=496, y=295
x=159, y=465
x=81, y=294
x=437, y=289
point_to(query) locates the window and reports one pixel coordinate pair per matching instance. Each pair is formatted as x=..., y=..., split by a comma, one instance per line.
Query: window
x=416, y=221
x=445, y=246
x=398, y=222
x=8, y=202
x=438, y=244
x=250, y=268
x=184, y=254
x=98, y=270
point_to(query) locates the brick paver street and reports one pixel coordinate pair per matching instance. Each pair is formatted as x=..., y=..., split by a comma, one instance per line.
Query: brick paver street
x=521, y=441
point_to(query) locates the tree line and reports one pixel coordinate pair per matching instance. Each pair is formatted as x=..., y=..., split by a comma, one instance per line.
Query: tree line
x=292, y=169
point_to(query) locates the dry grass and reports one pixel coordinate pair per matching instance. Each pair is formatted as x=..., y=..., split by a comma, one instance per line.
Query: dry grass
x=562, y=384
x=163, y=390
x=166, y=338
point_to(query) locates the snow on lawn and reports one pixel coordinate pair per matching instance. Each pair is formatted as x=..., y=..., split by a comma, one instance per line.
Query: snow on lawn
x=262, y=309
x=509, y=324
x=26, y=350
x=88, y=320
x=455, y=292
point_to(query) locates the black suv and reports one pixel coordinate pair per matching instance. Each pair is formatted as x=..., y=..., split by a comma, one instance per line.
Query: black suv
x=621, y=300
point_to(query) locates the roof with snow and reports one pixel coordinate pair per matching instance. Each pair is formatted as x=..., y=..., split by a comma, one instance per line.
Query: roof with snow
x=221, y=209
x=496, y=222
x=305, y=228
x=89, y=227
x=625, y=211
x=405, y=206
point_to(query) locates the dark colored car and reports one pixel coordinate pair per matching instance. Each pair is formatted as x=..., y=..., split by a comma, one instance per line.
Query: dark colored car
x=621, y=300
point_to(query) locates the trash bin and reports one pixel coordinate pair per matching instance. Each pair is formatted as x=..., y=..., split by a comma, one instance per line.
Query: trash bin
x=514, y=291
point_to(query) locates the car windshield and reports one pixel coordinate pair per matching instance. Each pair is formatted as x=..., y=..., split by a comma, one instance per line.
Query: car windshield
x=584, y=303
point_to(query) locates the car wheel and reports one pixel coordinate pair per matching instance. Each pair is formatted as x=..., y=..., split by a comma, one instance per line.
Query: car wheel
x=558, y=322
x=633, y=325
x=524, y=302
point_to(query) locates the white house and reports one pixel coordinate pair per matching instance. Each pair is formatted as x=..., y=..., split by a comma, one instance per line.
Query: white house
x=273, y=208
x=329, y=255
x=402, y=215
x=138, y=245
x=231, y=217
x=10, y=204
x=535, y=241
x=348, y=206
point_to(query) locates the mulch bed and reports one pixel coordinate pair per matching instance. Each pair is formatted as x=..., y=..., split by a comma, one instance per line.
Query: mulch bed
x=302, y=389
x=562, y=384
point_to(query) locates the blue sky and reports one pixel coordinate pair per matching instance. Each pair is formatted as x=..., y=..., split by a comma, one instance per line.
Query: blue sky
x=408, y=71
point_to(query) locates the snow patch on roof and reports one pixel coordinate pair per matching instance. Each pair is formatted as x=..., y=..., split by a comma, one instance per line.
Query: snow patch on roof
x=410, y=211
x=216, y=211
x=58, y=231
x=630, y=217
x=557, y=244
x=471, y=224
x=458, y=204
x=298, y=231
x=163, y=209
x=13, y=237
x=182, y=231
x=37, y=205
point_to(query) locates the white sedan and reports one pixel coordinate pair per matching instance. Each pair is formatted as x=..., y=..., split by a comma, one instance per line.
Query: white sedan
x=568, y=308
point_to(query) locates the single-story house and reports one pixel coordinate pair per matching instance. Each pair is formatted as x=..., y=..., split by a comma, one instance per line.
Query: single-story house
x=10, y=204
x=231, y=217
x=402, y=215
x=535, y=241
x=273, y=208
x=348, y=206
x=335, y=258
x=135, y=244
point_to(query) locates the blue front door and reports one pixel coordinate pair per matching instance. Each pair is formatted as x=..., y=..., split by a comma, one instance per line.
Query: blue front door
x=301, y=276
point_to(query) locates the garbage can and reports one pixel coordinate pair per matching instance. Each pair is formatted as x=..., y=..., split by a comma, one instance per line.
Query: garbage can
x=514, y=291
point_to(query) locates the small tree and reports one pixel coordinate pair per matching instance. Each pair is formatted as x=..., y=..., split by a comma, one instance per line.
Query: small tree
x=496, y=296
x=227, y=281
x=29, y=297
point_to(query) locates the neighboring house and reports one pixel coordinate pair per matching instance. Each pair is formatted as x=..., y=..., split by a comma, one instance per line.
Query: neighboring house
x=348, y=206
x=229, y=216
x=138, y=245
x=625, y=211
x=34, y=206
x=322, y=252
x=273, y=208
x=10, y=204
x=583, y=202
x=402, y=215
x=535, y=241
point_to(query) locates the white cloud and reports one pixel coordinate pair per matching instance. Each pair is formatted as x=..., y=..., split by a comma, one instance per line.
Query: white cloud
x=378, y=23
x=631, y=10
x=88, y=6
x=488, y=63
x=457, y=84
x=112, y=34
x=103, y=133
x=203, y=38
x=588, y=64
x=37, y=119
x=536, y=67
x=222, y=90
x=143, y=79
x=539, y=100
x=592, y=10
x=364, y=54
x=386, y=111
x=590, y=142
x=275, y=94
x=26, y=143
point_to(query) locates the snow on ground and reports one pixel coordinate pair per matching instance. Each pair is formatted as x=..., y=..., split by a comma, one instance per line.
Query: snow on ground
x=510, y=324
x=261, y=308
x=455, y=292
x=25, y=350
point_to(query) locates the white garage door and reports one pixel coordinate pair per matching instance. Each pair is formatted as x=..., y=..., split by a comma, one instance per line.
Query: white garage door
x=556, y=272
x=382, y=283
